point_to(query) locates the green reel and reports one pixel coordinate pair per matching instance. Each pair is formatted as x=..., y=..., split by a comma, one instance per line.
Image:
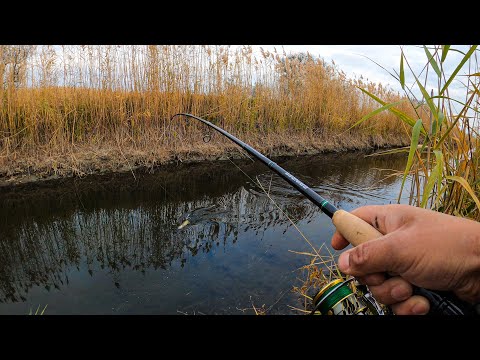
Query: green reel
x=346, y=297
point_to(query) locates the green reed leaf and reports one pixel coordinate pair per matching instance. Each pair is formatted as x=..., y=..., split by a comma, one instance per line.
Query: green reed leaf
x=445, y=49
x=379, y=110
x=439, y=158
x=432, y=61
x=402, y=72
x=457, y=69
x=434, y=175
x=428, y=99
x=405, y=118
x=413, y=147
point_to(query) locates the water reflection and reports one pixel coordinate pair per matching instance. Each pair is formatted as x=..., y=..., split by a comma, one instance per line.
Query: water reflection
x=105, y=229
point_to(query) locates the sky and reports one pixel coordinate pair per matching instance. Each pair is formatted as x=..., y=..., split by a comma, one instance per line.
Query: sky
x=356, y=60
x=351, y=58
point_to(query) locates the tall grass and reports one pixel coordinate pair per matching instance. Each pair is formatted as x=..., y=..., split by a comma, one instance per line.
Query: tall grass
x=58, y=98
x=443, y=156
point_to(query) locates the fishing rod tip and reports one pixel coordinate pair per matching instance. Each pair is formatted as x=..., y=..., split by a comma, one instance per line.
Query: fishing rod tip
x=181, y=114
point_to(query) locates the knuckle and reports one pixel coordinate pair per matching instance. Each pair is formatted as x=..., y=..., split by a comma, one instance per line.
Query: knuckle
x=361, y=254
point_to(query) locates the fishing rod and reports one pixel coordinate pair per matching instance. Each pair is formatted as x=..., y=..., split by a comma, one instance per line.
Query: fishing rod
x=337, y=297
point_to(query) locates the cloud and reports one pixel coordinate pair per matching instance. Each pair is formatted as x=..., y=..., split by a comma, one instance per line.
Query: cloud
x=354, y=60
x=374, y=62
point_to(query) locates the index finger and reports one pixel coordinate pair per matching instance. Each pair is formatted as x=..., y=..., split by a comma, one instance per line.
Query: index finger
x=338, y=241
x=384, y=218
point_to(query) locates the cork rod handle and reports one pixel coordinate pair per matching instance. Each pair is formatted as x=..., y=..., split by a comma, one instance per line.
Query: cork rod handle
x=354, y=229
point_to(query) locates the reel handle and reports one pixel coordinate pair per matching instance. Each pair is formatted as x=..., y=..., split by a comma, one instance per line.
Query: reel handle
x=357, y=231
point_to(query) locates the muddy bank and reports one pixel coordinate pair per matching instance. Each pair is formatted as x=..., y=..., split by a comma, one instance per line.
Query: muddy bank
x=80, y=161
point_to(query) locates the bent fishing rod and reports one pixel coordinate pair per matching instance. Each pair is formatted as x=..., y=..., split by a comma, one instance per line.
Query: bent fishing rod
x=354, y=229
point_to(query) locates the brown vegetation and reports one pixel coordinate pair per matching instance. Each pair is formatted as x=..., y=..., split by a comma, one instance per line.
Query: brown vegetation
x=72, y=110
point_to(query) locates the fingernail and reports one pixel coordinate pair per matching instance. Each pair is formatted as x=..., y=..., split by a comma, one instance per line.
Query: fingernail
x=344, y=261
x=419, y=309
x=400, y=293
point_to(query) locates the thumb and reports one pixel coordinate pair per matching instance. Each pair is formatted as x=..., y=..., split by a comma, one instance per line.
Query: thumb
x=373, y=256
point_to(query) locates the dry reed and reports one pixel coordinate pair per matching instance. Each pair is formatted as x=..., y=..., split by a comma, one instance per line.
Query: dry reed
x=60, y=103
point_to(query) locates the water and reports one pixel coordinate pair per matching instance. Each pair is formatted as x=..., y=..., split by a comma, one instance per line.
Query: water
x=111, y=245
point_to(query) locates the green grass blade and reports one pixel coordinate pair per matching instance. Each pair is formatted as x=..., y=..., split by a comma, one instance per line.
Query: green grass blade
x=434, y=175
x=413, y=147
x=451, y=99
x=445, y=49
x=441, y=117
x=437, y=124
x=432, y=61
x=467, y=187
x=439, y=158
x=402, y=72
x=379, y=110
x=456, y=50
x=405, y=118
x=428, y=99
x=455, y=72
x=434, y=128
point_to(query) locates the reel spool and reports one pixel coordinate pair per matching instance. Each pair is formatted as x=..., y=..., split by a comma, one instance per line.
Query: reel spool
x=345, y=297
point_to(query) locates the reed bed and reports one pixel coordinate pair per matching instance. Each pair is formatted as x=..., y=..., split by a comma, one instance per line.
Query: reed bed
x=443, y=155
x=66, y=107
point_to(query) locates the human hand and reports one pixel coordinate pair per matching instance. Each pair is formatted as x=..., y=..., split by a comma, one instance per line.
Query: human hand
x=420, y=247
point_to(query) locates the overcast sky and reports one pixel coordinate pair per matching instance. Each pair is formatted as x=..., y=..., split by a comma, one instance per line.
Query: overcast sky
x=352, y=59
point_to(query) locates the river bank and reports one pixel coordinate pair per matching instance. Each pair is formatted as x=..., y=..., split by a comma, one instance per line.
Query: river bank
x=79, y=161
x=98, y=109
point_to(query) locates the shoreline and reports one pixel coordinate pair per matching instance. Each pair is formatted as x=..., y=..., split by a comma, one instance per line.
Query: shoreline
x=81, y=161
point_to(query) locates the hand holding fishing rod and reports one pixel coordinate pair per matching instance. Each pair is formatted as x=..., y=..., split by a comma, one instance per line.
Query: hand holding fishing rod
x=420, y=246
x=353, y=228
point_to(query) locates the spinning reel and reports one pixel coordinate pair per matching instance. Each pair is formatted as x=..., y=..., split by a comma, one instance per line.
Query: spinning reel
x=346, y=297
